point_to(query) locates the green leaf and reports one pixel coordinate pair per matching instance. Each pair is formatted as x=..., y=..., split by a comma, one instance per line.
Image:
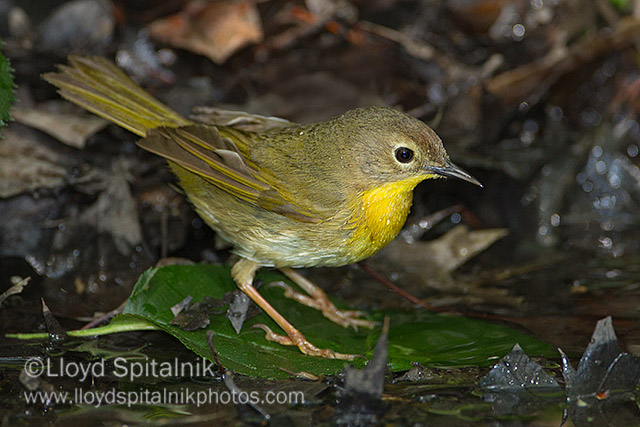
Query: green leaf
x=433, y=340
x=415, y=335
x=7, y=87
x=121, y=323
x=622, y=5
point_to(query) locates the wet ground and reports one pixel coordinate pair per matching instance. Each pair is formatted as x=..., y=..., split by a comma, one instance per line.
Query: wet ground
x=538, y=100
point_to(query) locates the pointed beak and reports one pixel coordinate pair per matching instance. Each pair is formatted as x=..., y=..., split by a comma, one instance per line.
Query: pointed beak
x=452, y=171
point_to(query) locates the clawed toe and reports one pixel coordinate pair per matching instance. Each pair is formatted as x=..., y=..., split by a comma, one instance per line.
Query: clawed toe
x=301, y=342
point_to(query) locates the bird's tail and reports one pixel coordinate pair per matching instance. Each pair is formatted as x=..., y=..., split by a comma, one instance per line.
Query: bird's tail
x=99, y=86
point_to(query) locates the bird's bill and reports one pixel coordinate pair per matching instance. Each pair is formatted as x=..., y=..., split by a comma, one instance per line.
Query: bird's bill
x=452, y=171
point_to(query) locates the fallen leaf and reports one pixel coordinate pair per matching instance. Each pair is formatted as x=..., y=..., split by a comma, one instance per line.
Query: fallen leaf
x=115, y=213
x=516, y=372
x=213, y=29
x=442, y=255
x=370, y=379
x=26, y=165
x=78, y=25
x=71, y=129
x=603, y=366
x=15, y=289
x=605, y=384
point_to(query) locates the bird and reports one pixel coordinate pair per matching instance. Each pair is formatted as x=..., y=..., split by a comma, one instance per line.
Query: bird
x=284, y=195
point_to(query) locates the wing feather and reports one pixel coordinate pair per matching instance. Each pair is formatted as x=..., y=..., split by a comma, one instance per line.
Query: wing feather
x=202, y=150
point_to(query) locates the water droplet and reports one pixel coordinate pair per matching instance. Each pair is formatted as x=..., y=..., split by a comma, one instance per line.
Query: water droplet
x=518, y=31
x=607, y=225
x=606, y=242
x=555, y=220
x=601, y=167
x=527, y=137
x=436, y=94
x=612, y=274
x=614, y=180
x=531, y=126
x=537, y=4
x=456, y=218
x=590, y=117
x=596, y=151
x=556, y=113
x=632, y=150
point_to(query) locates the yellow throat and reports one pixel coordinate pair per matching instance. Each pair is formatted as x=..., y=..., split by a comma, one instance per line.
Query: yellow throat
x=380, y=216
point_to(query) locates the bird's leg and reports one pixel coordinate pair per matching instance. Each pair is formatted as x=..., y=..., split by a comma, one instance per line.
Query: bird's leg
x=320, y=301
x=243, y=273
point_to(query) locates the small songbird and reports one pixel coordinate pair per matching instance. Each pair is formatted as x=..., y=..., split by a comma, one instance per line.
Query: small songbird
x=284, y=195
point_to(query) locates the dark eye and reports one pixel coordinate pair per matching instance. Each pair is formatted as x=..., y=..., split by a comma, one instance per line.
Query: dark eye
x=404, y=154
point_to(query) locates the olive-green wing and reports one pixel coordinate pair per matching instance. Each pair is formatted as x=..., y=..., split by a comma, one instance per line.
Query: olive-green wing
x=99, y=86
x=202, y=150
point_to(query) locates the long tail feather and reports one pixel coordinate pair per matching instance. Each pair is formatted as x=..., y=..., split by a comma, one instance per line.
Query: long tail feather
x=97, y=85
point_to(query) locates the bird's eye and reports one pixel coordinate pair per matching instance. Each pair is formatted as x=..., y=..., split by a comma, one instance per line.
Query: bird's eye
x=404, y=154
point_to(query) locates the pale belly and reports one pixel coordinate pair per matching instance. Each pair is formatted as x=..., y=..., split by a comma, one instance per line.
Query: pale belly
x=270, y=239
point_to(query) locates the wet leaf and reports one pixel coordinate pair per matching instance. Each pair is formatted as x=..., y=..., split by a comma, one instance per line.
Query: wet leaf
x=361, y=403
x=516, y=371
x=370, y=380
x=53, y=326
x=415, y=336
x=194, y=317
x=603, y=366
x=237, y=312
x=604, y=387
x=518, y=385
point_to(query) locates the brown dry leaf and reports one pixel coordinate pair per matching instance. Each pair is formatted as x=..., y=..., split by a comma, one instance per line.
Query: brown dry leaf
x=70, y=129
x=444, y=254
x=115, y=212
x=26, y=164
x=429, y=264
x=215, y=30
x=476, y=15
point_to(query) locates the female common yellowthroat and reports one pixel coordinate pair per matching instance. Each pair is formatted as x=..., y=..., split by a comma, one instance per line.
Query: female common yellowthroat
x=287, y=196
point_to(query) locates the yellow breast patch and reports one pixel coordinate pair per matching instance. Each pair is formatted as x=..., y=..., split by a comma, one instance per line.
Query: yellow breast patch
x=380, y=215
